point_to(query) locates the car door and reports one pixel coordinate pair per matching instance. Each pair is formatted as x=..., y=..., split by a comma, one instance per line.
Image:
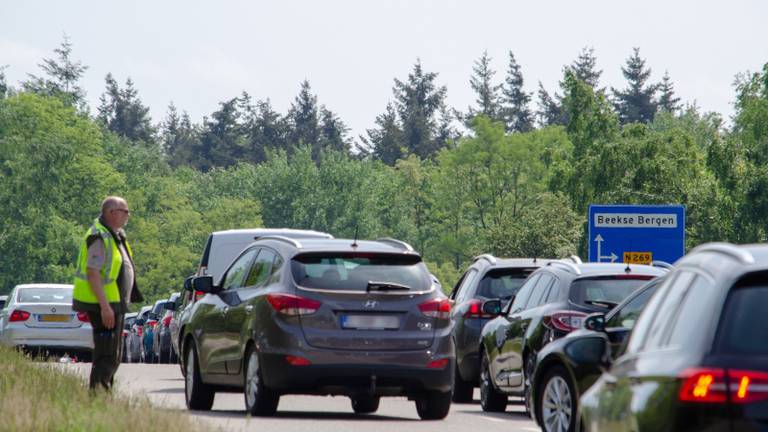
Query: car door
x=459, y=308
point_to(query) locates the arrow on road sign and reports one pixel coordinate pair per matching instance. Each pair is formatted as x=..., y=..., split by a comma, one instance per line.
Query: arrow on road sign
x=599, y=239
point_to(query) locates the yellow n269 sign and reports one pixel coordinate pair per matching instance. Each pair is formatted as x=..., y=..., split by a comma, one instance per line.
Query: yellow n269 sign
x=638, y=257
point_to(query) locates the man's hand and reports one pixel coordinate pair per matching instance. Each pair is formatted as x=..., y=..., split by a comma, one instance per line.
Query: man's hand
x=108, y=316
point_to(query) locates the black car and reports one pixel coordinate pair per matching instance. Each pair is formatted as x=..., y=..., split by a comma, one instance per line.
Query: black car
x=362, y=319
x=487, y=278
x=554, y=301
x=567, y=367
x=697, y=358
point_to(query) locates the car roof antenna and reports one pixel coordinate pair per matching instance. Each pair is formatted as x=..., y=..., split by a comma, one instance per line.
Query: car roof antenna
x=628, y=269
x=354, y=242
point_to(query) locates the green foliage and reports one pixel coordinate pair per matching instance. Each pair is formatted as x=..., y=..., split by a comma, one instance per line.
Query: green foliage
x=636, y=103
x=61, y=78
x=517, y=114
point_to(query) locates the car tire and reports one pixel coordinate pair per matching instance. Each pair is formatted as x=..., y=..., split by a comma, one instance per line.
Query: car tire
x=433, y=405
x=463, y=391
x=199, y=396
x=556, y=400
x=259, y=399
x=491, y=400
x=365, y=404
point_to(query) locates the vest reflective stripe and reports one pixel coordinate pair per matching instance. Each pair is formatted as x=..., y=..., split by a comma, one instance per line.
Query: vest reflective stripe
x=113, y=261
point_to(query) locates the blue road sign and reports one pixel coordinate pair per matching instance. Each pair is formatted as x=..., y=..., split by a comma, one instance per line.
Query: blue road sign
x=636, y=233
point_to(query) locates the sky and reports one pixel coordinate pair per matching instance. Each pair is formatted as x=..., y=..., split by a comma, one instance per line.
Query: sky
x=198, y=54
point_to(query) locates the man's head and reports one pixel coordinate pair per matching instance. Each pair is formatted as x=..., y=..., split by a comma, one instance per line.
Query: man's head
x=115, y=212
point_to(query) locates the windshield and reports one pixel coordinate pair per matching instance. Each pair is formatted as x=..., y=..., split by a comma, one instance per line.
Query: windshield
x=355, y=271
x=502, y=283
x=45, y=295
x=606, y=291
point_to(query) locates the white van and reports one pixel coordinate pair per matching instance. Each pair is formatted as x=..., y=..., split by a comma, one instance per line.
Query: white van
x=223, y=246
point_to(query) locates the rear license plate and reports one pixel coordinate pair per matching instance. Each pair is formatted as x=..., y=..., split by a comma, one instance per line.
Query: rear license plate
x=55, y=318
x=370, y=322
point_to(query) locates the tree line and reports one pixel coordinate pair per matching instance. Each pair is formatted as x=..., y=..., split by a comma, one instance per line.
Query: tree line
x=499, y=177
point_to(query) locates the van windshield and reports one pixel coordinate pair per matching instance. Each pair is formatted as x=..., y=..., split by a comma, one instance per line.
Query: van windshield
x=358, y=271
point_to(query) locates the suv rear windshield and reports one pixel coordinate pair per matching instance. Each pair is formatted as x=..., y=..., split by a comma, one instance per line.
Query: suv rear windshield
x=606, y=291
x=502, y=283
x=45, y=295
x=355, y=271
x=742, y=328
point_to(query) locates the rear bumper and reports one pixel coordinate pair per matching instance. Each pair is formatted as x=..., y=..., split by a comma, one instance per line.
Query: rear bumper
x=74, y=338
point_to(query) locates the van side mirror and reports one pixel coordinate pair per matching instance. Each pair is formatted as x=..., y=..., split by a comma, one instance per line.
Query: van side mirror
x=188, y=283
x=169, y=305
x=595, y=322
x=492, y=307
x=592, y=350
x=205, y=284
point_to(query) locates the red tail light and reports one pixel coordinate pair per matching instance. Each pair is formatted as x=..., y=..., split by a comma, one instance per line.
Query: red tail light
x=718, y=385
x=83, y=317
x=566, y=321
x=167, y=321
x=292, y=305
x=199, y=295
x=152, y=323
x=436, y=308
x=139, y=331
x=297, y=361
x=438, y=364
x=18, y=315
x=125, y=333
x=476, y=310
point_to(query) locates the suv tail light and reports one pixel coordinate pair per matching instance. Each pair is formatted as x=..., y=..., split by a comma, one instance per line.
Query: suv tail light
x=292, y=305
x=139, y=331
x=476, y=310
x=297, y=361
x=152, y=323
x=83, y=317
x=436, y=308
x=167, y=321
x=199, y=295
x=719, y=385
x=18, y=315
x=566, y=321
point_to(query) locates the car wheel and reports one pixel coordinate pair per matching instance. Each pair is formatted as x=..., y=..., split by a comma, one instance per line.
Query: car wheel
x=462, y=390
x=557, y=403
x=259, y=400
x=365, y=404
x=491, y=400
x=433, y=405
x=199, y=395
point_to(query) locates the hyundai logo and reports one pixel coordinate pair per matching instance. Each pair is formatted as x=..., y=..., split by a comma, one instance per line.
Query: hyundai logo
x=370, y=304
x=53, y=310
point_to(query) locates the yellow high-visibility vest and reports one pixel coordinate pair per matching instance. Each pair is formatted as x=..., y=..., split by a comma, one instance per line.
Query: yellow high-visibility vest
x=109, y=270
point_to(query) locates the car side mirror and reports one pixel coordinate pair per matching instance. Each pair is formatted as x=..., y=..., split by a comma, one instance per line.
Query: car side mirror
x=593, y=349
x=595, y=322
x=169, y=305
x=492, y=307
x=188, y=283
x=205, y=284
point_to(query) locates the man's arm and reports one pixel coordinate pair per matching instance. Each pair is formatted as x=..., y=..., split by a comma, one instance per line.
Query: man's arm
x=107, y=314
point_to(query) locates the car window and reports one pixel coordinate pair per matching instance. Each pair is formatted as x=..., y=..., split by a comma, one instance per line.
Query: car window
x=261, y=269
x=658, y=332
x=44, y=295
x=277, y=265
x=236, y=273
x=697, y=302
x=742, y=325
x=522, y=296
x=627, y=315
x=555, y=292
x=539, y=291
x=606, y=291
x=502, y=283
x=465, y=287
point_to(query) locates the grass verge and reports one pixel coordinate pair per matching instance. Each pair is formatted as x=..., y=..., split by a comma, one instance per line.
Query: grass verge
x=35, y=398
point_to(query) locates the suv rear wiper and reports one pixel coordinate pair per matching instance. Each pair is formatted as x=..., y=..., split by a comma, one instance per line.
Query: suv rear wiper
x=604, y=303
x=386, y=286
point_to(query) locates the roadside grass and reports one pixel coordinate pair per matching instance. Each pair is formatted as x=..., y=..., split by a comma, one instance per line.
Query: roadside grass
x=38, y=398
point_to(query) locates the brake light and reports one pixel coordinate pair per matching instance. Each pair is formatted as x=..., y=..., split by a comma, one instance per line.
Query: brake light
x=292, y=305
x=476, y=310
x=83, y=317
x=566, y=321
x=125, y=333
x=718, y=385
x=436, y=308
x=748, y=386
x=438, y=364
x=297, y=361
x=199, y=295
x=18, y=315
x=167, y=321
x=139, y=331
x=634, y=276
x=152, y=323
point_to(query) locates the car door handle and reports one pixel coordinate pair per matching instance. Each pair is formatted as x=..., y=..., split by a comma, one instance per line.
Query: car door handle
x=248, y=308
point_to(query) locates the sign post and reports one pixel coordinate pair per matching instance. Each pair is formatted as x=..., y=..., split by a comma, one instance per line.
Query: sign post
x=636, y=234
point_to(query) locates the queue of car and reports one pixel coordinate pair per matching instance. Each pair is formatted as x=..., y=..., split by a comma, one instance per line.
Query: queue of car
x=585, y=346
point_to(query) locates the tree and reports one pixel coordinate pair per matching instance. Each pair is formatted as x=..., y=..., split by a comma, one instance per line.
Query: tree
x=487, y=92
x=333, y=132
x=122, y=112
x=386, y=141
x=3, y=83
x=636, y=103
x=303, y=117
x=418, y=101
x=550, y=111
x=667, y=100
x=585, y=68
x=223, y=140
x=266, y=130
x=516, y=113
x=62, y=78
x=180, y=139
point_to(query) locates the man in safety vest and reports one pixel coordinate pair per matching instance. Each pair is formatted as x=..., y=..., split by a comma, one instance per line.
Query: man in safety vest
x=105, y=284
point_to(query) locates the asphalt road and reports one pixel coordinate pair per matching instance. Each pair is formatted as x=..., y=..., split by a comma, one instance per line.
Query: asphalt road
x=164, y=386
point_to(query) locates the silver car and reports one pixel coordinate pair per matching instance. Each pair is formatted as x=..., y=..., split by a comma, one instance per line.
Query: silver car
x=38, y=318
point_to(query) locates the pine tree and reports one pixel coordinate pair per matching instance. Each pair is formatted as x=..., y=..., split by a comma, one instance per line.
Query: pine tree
x=585, y=68
x=487, y=92
x=516, y=112
x=223, y=141
x=62, y=78
x=668, y=101
x=266, y=130
x=385, y=142
x=180, y=139
x=333, y=132
x=303, y=116
x=122, y=112
x=636, y=103
x=3, y=83
x=418, y=101
x=550, y=110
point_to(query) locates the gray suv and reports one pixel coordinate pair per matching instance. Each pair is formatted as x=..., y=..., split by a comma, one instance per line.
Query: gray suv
x=362, y=319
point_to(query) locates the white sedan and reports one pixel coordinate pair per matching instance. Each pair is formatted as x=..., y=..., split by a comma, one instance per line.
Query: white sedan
x=38, y=318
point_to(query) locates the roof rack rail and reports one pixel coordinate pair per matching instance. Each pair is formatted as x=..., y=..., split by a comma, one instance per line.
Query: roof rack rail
x=662, y=264
x=488, y=257
x=571, y=267
x=728, y=249
x=290, y=241
x=396, y=243
x=574, y=258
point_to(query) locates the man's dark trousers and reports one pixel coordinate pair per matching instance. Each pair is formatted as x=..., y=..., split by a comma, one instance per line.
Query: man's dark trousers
x=107, y=350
